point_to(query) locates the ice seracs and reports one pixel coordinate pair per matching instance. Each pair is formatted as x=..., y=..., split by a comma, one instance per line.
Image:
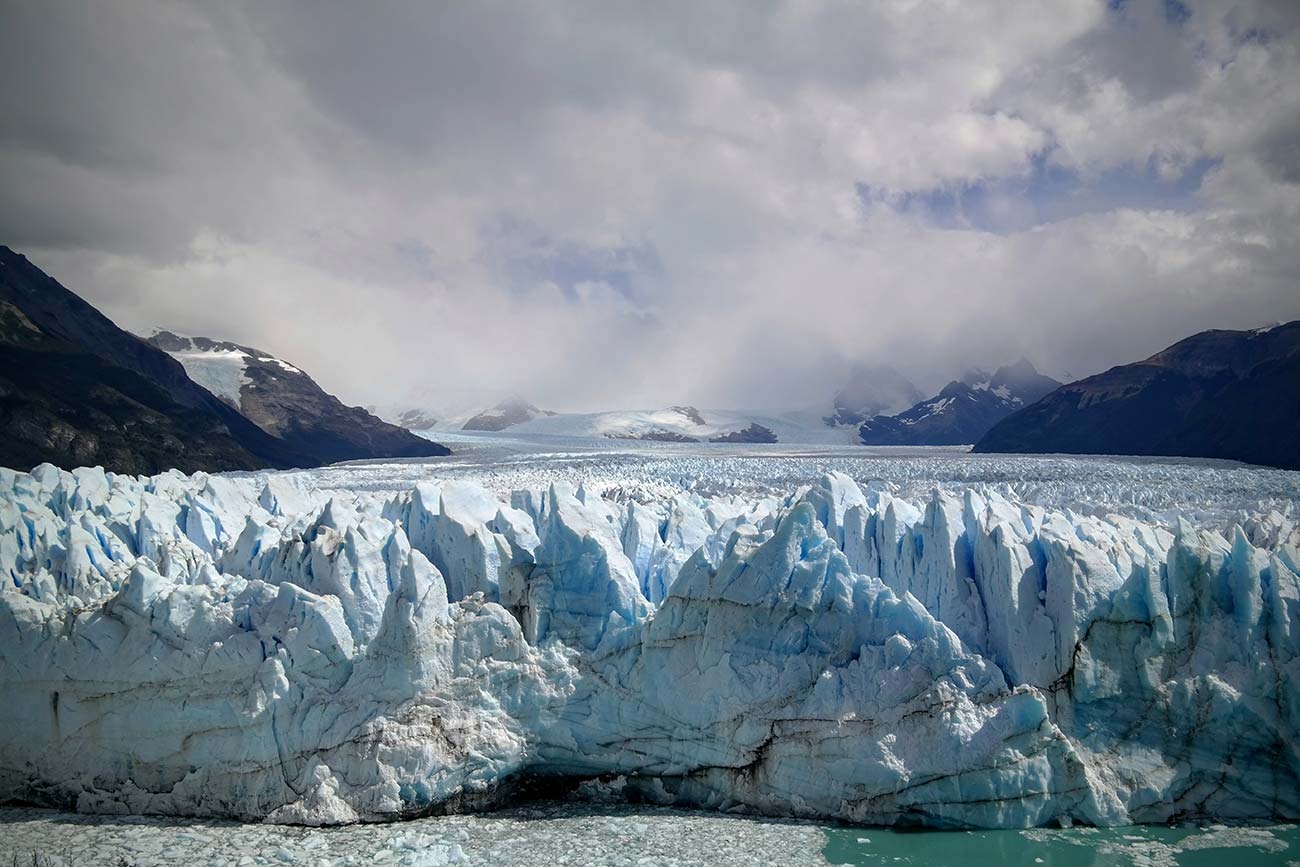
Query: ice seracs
x=250, y=646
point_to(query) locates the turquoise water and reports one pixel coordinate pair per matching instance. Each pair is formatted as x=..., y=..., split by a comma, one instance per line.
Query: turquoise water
x=1141, y=846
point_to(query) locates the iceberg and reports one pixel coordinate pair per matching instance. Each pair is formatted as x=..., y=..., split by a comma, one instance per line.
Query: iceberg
x=250, y=646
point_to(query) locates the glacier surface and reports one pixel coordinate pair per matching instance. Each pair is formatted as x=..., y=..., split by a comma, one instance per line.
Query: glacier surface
x=377, y=642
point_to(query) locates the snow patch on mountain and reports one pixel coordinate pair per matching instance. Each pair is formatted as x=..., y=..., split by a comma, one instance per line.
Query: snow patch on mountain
x=224, y=372
x=964, y=410
x=281, y=363
x=219, y=366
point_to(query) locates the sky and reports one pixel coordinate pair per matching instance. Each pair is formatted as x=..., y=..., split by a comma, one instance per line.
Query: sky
x=602, y=205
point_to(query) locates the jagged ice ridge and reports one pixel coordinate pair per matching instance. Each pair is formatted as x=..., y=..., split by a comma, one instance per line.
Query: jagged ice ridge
x=251, y=646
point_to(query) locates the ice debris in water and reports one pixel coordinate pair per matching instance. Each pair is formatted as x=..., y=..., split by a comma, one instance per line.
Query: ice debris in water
x=265, y=646
x=547, y=834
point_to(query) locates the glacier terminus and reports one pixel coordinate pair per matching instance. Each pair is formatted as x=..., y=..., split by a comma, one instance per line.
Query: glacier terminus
x=323, y=648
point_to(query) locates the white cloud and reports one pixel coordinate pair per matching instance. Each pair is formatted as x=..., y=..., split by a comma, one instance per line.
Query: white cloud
x=678, y=186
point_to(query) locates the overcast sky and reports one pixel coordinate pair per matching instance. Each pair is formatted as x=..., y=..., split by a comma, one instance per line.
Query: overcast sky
x=612, y=205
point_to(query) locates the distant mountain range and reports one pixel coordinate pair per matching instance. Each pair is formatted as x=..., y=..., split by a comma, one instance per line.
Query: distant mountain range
x=76, y=390
x=683, y=424
x=1229, y=394
x=1220, y=394
x=872, y=390
x=963, y=411
x=505, y=414
x=411, y=419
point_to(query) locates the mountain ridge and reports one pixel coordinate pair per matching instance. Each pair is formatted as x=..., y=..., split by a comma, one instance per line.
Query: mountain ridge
x=963, y=411
x=872, y=390
x=94, y=393
x=1216, y=394
x=287, y=403
x=506, y=414
x=91, y=393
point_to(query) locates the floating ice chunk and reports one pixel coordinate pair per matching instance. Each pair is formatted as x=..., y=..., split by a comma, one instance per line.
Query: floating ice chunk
x=320, y=803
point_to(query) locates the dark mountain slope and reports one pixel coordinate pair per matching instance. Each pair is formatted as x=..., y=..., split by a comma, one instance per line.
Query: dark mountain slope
x=963, y=411
x=1257, y=420
x=61, y=404
x=285, y=402
x=77, y=390
x=78, y=329
x=1223, y=394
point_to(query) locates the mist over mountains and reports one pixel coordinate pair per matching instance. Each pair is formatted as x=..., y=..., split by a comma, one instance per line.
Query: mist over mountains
x=76, y=390
x=718, y=206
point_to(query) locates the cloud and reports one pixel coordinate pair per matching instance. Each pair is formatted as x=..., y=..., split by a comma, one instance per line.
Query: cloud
x=600, y=205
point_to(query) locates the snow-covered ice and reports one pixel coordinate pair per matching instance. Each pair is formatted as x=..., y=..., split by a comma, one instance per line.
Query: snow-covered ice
x=574, y=834
x=787, y=426
x=902, y=637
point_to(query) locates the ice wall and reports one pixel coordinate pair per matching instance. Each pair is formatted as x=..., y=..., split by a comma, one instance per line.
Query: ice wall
x=247, y=646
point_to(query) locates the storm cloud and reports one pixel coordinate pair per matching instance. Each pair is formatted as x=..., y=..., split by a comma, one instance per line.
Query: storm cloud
x=605, y=205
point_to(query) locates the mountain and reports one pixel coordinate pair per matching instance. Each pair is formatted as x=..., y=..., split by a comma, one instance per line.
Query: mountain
x=1014, y=382
x=963, y=411
x=670, y=424
x=423, y=417
x=413, y=419
x=288, y=404
x=1220, y=394
x=872, y=391
x=505, y=414
x=685, y=424
x=77, y=390
x=755, y=433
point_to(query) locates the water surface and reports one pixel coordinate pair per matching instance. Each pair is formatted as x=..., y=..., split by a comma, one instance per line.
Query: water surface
x=1141, y=846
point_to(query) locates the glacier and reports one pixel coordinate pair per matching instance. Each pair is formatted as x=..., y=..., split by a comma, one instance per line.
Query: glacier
x=268, y=647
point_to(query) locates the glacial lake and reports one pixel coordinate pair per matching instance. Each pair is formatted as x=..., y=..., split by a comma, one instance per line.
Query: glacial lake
x=1140, y=846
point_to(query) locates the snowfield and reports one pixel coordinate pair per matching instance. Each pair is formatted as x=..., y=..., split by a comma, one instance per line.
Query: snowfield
x=894, y=636
x=221, y=371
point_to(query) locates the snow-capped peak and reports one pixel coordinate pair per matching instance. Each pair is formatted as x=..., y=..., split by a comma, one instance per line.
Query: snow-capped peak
x=221, y=366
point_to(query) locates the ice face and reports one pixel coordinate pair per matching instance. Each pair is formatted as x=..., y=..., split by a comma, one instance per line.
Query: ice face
x=267, y=646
